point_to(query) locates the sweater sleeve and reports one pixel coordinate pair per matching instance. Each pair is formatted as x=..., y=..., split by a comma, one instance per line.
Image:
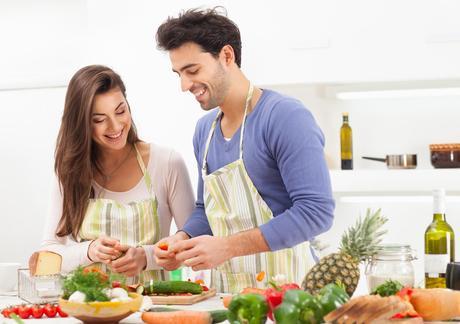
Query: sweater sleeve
x=198, y=223
x=73, y=253
x=296, y=143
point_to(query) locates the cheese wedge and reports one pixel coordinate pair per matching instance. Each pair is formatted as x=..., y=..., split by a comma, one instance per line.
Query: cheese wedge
x=44, y=263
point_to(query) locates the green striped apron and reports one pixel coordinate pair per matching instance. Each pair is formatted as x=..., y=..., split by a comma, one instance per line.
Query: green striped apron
x=135, y=223
x=232, y=205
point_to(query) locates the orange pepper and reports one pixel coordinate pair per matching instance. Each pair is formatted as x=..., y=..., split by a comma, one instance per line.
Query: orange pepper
x=260, y=276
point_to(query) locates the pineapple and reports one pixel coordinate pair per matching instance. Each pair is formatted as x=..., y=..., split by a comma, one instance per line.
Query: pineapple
x=358, y=243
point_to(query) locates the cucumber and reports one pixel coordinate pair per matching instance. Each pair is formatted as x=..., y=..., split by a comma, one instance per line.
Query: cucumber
x=172, y=287
x=217, y=316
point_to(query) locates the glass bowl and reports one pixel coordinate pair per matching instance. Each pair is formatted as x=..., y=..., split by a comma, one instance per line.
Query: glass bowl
x=102, y=312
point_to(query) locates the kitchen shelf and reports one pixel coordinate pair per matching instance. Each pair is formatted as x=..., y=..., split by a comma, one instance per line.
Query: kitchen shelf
x=390, y=182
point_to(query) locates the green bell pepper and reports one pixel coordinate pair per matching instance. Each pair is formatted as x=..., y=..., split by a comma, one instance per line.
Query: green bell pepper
x=331, y=297
x=248, y=309
x=300, y=307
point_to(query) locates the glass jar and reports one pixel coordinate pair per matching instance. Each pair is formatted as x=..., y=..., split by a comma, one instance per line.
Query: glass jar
x=391, y=261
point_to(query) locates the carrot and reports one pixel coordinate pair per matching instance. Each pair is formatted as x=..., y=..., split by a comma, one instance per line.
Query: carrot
x=250, y=290
x=260, y=276
x=177, y=317
x=436, y=304
x=163, y=246
x=226, y=300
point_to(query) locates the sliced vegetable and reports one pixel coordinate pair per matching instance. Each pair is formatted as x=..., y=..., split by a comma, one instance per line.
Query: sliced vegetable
x=248, y=308
x=172, y=287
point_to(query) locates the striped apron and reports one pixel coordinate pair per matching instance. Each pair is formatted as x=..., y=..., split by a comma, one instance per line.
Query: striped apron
x=232, y=205
x=135, y=223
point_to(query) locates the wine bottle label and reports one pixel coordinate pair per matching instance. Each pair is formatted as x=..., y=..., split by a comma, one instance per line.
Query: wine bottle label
x=436, y=264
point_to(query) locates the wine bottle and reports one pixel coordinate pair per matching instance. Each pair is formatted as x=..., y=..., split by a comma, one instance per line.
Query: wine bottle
x=439, y=244
x=346, y=144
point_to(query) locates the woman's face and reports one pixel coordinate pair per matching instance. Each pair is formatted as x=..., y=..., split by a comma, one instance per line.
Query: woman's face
x=110, y=120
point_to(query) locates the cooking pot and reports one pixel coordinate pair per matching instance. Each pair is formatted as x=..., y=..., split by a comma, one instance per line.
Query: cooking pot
x=445, y=155
x=397, y=161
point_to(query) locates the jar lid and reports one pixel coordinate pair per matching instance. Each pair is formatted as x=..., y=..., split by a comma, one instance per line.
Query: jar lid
x=445, y=147
x=394, y=249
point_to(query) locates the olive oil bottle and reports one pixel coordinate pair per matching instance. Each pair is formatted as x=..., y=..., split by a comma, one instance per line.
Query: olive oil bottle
x=439, y=244
x=346, y=144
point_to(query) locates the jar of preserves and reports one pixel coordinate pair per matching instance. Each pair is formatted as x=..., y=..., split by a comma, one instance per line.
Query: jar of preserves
x=391, y=262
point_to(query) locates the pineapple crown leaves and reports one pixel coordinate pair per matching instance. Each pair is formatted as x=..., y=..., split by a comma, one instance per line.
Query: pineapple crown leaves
x=360, y=240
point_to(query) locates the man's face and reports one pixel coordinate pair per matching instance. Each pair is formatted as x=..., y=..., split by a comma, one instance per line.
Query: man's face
x=201, y=73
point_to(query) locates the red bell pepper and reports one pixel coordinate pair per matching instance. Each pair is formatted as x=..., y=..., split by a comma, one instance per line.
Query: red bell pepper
x=274, y=296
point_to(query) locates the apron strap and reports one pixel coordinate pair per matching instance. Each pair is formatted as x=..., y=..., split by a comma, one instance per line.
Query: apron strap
x=147, y=178
x=204, y=167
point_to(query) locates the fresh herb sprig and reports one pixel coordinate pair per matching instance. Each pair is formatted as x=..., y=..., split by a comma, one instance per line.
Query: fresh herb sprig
x=90, y=281
x=388, y=288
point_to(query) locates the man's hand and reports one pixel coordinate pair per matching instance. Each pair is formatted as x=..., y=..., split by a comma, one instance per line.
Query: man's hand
x=103, y=249
x=203, y=252
x=131, y=263
x=164, y=256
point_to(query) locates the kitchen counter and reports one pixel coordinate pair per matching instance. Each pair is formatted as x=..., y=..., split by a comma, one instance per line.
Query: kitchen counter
x=212, y=303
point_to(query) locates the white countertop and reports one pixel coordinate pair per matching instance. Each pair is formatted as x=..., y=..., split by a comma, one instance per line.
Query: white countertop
x=212, y=303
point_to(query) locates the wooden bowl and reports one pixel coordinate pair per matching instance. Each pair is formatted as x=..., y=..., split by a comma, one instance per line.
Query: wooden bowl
x=102, y=312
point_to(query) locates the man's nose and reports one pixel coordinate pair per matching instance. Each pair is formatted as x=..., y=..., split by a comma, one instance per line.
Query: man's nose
x=185, y=83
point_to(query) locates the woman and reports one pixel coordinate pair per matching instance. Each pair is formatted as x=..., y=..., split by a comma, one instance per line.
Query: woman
x=115, y=196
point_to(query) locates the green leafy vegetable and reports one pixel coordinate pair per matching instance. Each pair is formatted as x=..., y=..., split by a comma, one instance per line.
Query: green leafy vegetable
x=90, y=281
x=388, y=288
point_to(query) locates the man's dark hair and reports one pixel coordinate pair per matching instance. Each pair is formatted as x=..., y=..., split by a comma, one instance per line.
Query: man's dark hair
x=207, y=28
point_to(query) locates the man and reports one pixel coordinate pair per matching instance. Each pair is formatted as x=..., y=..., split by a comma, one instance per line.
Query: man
x=264, y=189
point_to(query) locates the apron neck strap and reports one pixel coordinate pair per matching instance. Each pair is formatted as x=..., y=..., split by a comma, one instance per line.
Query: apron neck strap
x=204, y=168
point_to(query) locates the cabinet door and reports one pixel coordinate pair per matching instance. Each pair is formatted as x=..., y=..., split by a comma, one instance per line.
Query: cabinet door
x=343, y=41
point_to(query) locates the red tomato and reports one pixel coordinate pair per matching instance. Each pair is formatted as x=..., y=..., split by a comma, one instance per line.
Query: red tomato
x=14, y=309
x=116, y=284
x=6, y=312
x=37, y=311
x=24, y=311
x=50, y=310
x=60, y=311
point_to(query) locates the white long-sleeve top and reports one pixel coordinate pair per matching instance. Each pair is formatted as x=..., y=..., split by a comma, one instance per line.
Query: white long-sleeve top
x=174, y=193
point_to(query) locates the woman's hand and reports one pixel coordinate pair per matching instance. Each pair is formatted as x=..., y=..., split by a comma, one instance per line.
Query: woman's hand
x=163, y=255
x=104, y=249
x=132, y=263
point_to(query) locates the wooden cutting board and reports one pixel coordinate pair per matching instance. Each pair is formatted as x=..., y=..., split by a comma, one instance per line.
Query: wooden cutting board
x=183, y=300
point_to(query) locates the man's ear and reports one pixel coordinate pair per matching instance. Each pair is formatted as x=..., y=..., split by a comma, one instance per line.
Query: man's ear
x=227, y=55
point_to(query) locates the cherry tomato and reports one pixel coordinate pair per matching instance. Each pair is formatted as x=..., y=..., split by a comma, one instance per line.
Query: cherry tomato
x=14, y=309
x=163, y=246
x=50, y=310
x=24, y=311
x=37, y=311
x=116, y=284
x=6, y=312
x=60, y=311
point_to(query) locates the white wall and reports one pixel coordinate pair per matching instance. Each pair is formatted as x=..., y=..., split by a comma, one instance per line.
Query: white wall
x=121, y=34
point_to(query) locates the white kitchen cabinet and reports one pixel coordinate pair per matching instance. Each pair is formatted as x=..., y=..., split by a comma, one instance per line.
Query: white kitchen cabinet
x=394, y=182
x=348, y=41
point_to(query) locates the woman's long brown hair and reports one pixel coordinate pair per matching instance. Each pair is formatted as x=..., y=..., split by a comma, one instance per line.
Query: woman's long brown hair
x=76, y=154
